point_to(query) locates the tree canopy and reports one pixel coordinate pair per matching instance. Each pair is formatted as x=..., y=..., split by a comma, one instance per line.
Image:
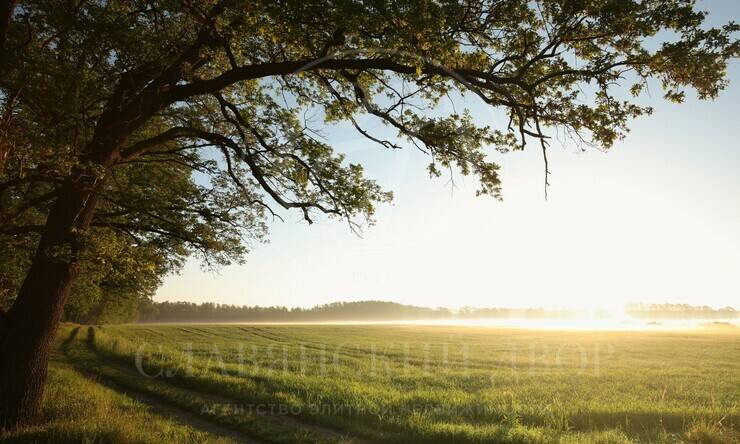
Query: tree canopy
x=204, y=105
x=220, y=88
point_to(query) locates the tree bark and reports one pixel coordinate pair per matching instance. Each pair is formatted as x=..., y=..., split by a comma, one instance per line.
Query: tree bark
x=28, y=328
x=6, y=12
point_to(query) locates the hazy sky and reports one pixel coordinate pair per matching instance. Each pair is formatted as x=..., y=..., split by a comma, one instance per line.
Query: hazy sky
x=657, y=218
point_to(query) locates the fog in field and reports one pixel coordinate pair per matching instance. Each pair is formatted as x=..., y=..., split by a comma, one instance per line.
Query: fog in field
x=631, y=317
x=581, y=324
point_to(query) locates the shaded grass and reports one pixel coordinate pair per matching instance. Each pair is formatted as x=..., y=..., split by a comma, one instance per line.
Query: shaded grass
x=88, y=357
x=77, y=410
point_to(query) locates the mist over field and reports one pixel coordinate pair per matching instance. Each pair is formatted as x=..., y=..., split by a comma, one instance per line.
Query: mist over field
x=632, y=317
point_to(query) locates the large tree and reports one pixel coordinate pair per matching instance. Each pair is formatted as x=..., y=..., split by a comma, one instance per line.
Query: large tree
x=222, y=88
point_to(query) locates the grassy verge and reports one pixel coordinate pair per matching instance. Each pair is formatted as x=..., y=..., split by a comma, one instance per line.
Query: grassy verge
x=77, y=410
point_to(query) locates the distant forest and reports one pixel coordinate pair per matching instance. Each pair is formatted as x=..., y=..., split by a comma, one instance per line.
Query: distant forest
x=680, y=311
x=392, y=311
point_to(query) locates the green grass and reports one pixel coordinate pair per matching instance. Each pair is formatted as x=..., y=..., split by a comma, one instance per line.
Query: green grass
x=413, y=384
x=77, y=410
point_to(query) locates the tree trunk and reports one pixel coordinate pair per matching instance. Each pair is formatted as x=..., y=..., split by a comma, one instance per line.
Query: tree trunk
x=28, y=328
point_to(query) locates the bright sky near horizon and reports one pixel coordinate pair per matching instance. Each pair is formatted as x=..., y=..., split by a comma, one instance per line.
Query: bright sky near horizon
x=655, y=219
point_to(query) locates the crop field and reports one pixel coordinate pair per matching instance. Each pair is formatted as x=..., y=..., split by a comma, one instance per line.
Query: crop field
x=391, y=383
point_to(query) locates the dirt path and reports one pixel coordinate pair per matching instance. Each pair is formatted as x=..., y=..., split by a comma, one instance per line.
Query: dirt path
x=284, y=419
x=197, y=421
x=158, y=406
x=215, y=400
x=173, y=412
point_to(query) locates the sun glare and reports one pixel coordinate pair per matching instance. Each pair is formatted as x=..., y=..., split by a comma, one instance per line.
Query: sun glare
x=550, y=324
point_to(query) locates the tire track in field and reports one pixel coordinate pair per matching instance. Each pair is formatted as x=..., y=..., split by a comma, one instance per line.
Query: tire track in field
x=214, y=401
x=171, y=411
x=354, y=353
x=157, y=406
x=284, y=419
x=354, y=350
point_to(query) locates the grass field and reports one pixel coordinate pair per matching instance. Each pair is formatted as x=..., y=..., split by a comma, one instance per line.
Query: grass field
x=385, y=383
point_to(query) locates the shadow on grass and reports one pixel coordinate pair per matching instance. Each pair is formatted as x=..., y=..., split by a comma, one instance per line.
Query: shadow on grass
x=69, y=339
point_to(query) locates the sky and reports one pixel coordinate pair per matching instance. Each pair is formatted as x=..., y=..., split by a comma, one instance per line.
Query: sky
x=654, y=219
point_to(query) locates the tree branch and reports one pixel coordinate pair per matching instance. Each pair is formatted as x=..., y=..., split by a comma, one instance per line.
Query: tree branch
x=140, y=147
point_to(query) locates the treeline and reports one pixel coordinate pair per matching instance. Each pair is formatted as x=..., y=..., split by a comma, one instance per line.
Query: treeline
x=392, y=311
x=337, y=311
x=680, y=311
x=526, y=313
